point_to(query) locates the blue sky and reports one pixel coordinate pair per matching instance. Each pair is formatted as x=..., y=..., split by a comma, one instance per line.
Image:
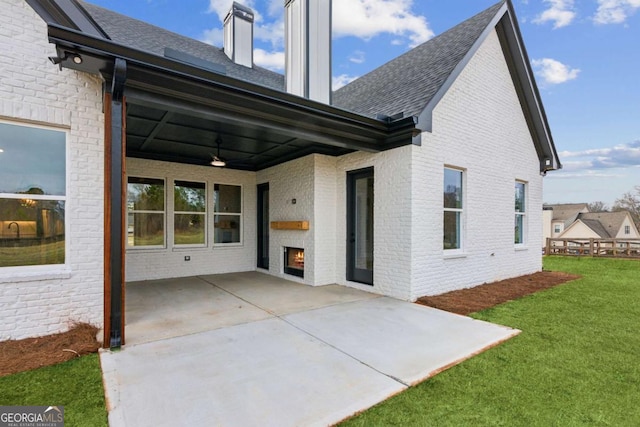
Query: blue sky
x=586, y=56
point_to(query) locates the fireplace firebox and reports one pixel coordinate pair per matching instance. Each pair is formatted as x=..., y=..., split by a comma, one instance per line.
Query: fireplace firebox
x=294, y=261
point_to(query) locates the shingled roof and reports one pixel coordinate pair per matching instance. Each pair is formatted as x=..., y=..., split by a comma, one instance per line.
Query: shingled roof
x=567, y=211
x=610, y=222
x=149, y=38
x=407, y=84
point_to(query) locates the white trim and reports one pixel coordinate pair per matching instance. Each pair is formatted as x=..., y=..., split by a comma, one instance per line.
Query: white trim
x=205, y=214
x=463, y=220
x=43, y=271
x=163, y=212
x=523, y=214
x=240, y=214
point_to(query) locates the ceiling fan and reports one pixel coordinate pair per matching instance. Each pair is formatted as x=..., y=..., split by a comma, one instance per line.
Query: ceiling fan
x=218, y=161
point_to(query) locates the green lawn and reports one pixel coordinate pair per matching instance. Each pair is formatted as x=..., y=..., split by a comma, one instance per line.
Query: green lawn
x=76, y=385
x=576, y=363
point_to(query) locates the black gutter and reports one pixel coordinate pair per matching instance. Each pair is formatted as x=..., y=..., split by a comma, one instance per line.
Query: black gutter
x=144, y=67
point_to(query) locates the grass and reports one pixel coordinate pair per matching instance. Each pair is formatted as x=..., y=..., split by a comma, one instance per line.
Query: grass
x=76, y=385
x=36, y=254
x=576, y=363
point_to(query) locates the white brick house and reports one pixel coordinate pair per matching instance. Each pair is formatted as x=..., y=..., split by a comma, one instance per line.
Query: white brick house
x=410, y=179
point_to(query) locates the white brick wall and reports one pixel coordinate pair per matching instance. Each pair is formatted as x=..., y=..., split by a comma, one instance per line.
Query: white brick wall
x=478, y=126
x=147, y=264
x=39, y=301
x=392, y=234
x=292, y=180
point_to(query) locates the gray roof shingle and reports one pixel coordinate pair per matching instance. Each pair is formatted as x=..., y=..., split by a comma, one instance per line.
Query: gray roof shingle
x=149, y=38
x=567, y=211
x=403, y=85
x=597, y=227
x=407, y=84
x=611, y=222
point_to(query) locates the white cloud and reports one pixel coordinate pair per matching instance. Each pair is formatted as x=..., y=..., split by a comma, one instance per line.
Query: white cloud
x=554, y=72
x=615, y=11
x=368, y=18
x=619, y=156
x=357, y=57
x=359, y=18
x=560, y=12
x=341, y=80
x=272, y=32
x=214, y=36
x=271, y=60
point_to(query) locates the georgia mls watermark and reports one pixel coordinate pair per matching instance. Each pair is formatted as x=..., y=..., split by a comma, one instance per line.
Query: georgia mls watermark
x=31, y=416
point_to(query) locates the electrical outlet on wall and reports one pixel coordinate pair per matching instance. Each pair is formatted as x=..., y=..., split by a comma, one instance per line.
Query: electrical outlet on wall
x=187, y=258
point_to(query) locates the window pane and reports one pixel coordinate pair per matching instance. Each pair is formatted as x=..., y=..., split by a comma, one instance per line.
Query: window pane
x=145, y=229
x=32, y=160
x=226, y=229
x=452, y=230
x=31, y=232
x=519, y=229
x=189, y=197
x=189, y=229
x=452, y=189
x=227, y=198
x=520, y=207
x=144, y=194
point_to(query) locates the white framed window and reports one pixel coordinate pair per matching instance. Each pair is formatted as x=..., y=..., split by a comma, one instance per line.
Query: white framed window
x=146, y=212
x=189, y=213
x=520, y=213
x=227, y=214
x=627, y=229
x=453, y=205
x=556, y=228
x=33, y=181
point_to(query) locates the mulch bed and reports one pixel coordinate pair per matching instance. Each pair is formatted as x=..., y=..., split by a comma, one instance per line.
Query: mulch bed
x=467, y=301
x=31, y=353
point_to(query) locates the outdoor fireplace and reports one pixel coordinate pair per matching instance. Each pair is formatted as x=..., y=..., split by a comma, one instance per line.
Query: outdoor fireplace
x=294, y=261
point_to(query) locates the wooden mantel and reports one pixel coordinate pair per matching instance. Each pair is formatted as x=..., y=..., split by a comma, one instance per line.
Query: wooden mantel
x=290, y=225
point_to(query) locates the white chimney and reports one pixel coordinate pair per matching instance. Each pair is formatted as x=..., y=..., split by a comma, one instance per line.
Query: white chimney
x=308, y=48
x=238, y=35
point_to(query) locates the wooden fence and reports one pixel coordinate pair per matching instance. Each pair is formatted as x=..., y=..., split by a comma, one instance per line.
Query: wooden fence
x=618, y=248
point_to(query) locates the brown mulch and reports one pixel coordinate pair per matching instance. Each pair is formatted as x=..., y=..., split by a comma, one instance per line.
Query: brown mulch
x=31, y=353
x=467, y=301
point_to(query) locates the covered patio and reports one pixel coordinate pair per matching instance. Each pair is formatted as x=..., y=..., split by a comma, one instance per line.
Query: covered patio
x=253, y=349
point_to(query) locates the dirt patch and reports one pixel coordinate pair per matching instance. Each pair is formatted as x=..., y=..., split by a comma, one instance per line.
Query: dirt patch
x=31, y=353
x=467, y=301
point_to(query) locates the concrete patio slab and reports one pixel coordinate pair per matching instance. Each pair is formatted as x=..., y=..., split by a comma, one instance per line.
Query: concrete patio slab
x=405, y=341
x=279, y=296
x=254, y=350
x=161, y=309
x=264, y=373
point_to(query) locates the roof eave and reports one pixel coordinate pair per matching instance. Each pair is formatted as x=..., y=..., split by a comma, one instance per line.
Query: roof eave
x=505, y=24
x=169, y=77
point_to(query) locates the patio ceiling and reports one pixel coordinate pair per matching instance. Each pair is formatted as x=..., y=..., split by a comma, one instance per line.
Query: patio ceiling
x=167, y=134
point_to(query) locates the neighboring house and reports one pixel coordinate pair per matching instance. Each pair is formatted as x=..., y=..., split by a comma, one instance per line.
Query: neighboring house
x=574, y=221
x=406, y=182
x=602, y=225
x=556, y=218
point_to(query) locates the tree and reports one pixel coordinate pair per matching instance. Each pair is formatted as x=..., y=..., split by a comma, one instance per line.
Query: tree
x=598, y=207
x=630, y=202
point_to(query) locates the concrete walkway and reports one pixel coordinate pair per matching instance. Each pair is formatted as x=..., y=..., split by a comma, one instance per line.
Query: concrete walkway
x=248, y=349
